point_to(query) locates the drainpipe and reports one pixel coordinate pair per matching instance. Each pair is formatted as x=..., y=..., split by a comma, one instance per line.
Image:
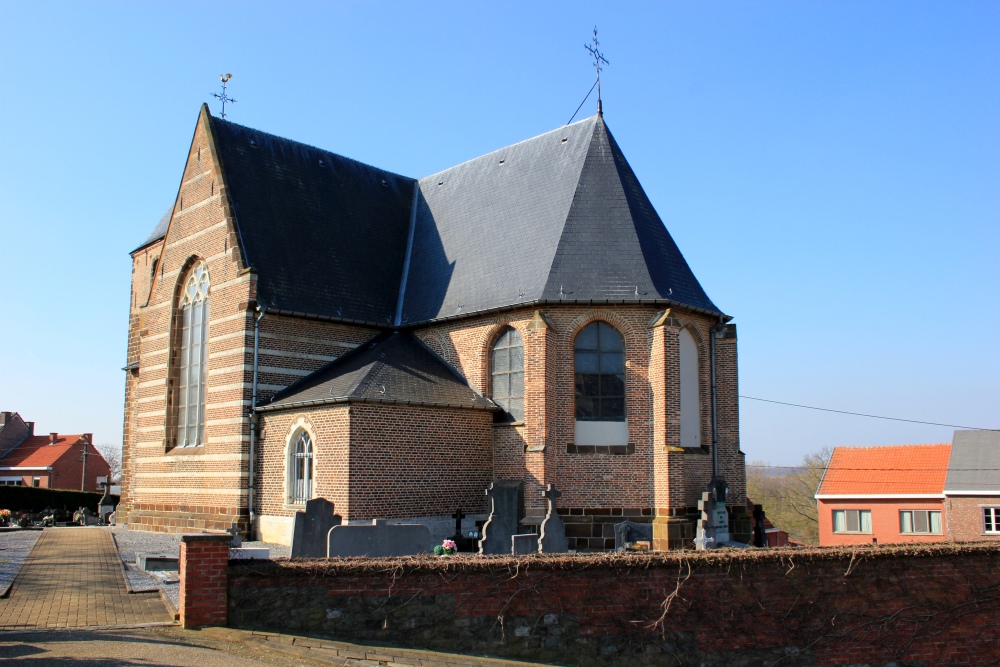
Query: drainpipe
x=715, y=426
x=253, y=414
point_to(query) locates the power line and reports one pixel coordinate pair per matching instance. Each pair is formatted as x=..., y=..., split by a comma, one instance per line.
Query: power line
x=861, y=414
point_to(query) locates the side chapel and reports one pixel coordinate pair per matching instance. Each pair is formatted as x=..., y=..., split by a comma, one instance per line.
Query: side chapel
x=303, y=325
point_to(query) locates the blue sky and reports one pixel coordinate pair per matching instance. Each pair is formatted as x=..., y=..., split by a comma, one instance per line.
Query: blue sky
x=829, y=169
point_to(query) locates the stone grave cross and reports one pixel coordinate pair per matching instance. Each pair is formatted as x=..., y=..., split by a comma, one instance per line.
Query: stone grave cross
x=552, y=536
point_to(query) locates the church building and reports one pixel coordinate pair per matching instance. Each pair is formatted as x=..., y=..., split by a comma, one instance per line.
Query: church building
x=304, y=325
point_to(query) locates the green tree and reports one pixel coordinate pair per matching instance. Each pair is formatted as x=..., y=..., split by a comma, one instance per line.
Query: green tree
x=787, y=494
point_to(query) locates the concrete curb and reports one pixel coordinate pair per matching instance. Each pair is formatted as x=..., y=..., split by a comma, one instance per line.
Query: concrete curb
x=353, y=655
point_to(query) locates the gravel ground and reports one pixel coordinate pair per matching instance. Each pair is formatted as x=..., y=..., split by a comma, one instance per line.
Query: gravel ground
x=131, y=542
x=14, y=549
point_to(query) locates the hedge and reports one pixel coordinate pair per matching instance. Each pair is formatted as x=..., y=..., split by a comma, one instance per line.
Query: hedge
x=20, y=499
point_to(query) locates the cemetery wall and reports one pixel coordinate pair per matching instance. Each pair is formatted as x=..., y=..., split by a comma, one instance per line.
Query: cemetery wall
x=907, y=604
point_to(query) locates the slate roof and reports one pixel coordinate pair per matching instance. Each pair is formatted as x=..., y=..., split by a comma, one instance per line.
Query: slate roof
x=327, y=235
x=886, y=470
x=35, y=451
x=975, y=462
x=560, y=218
x=159, y=231
x=394, y=367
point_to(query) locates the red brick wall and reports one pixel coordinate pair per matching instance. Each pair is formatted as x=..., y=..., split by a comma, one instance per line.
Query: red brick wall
x=885, y=521
x=965, y=518
x=67, y=471
x=916, y=604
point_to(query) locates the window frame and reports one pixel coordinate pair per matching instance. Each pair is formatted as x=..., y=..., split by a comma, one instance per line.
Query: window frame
x=913, y=522
x=600, y=397
x=190, y=358
x=507, y=415
x=293, y=496
x=860, y=513
x=995, y=512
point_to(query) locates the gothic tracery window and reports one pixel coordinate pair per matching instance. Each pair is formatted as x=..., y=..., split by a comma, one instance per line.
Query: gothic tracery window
x=192, y=358
x=507, y=373
x=300, y=466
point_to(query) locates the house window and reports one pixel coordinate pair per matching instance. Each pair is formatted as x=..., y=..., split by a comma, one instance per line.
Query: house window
x=991, y=519
x=36, y=482
x=852, y=521
x=507, y=369
x=920, y=521
x=690, y=391
x=599, y=365
x=300, y=466
x=192, y=357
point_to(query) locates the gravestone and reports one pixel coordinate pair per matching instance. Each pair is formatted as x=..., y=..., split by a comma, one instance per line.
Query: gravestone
x=704, y=535
x=552, y=538
x=309, y=537
x=107, y=505
x=627, y=532
x=461, y=541
x=235, y=536
x=713, y=526
x=524, y=545
x=378, y=540
x=505, y=502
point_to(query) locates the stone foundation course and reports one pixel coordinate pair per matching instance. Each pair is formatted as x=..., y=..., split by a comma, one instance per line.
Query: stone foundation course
x=902, y=605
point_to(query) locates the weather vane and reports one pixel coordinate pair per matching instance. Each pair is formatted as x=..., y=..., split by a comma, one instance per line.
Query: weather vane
x=599, y=59
x=226, y=98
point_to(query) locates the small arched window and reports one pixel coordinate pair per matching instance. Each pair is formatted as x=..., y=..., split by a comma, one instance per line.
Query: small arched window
x=600, y=374
x=300, y=469
x=690, y=390
x=507, y=373
x=192, y=358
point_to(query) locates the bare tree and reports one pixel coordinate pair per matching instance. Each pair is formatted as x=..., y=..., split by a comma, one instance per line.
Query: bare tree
x=787, y=494
x=113, y=455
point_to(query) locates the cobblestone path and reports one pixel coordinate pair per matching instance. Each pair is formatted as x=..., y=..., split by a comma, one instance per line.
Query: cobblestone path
x=73, y=578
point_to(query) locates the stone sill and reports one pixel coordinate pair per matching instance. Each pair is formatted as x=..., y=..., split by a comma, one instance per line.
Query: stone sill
x=616, y=450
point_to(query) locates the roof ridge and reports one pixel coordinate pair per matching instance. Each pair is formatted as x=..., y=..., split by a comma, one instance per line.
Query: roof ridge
x=508, y=146
x=921, y=444
x=361, y=386
x=310, y=146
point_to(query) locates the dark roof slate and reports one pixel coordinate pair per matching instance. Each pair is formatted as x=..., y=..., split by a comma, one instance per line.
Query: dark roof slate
x=557, y=218
x=391, y=368
x=159, y=231
x=975, y=462
x=326, y=234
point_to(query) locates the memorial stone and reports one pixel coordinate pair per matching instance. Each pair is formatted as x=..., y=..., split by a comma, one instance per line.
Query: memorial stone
x=628, y=532
x=759, y=534
x=552, y=537
x=505, y=501
x=378, y=540
x=309, y=537
x=524, y=545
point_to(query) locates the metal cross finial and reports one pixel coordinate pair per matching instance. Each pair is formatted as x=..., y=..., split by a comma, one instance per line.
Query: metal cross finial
x=599, y=59
x=224, y=97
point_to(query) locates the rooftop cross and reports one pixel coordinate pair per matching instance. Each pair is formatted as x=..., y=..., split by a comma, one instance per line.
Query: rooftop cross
x=226, y=98
x=599, y=59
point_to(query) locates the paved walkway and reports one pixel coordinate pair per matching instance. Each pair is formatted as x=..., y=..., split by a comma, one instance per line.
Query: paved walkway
x=73, y=578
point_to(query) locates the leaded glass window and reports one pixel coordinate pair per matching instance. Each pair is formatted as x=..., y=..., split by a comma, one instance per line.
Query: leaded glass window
x=600, y=374
x=301, y=468
x=507, y=368
x=193, y=358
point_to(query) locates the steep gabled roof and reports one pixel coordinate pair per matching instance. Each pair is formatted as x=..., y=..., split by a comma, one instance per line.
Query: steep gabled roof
x=159, y=231
x=560, y=218
x=392, y=368
x=35, y=451
x=327, y=235
x=887, y=470
x=975, y=462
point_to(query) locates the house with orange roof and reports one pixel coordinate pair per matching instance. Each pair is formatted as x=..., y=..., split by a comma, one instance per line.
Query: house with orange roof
x=884, y=495
x=54, y=461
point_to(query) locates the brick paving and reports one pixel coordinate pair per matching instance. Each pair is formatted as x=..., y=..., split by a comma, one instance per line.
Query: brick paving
x=73, y=578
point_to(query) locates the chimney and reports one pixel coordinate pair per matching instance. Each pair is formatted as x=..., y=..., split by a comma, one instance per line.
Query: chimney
x=4, y=417
x=53, y=437
x=88, y=438
x=31, y=427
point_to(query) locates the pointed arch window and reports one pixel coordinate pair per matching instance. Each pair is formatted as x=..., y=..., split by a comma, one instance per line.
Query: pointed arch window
x=507, y=373
x=192, y=358
x=300, y=469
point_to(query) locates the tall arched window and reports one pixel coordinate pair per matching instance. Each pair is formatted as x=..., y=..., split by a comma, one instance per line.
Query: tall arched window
x=690, y=391
x=599, y=357
x=300, y=469
x=507, y=373
x=192, y=358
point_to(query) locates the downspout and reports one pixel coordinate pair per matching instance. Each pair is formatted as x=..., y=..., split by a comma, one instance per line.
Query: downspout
x=253, y=416
x=715, y=425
